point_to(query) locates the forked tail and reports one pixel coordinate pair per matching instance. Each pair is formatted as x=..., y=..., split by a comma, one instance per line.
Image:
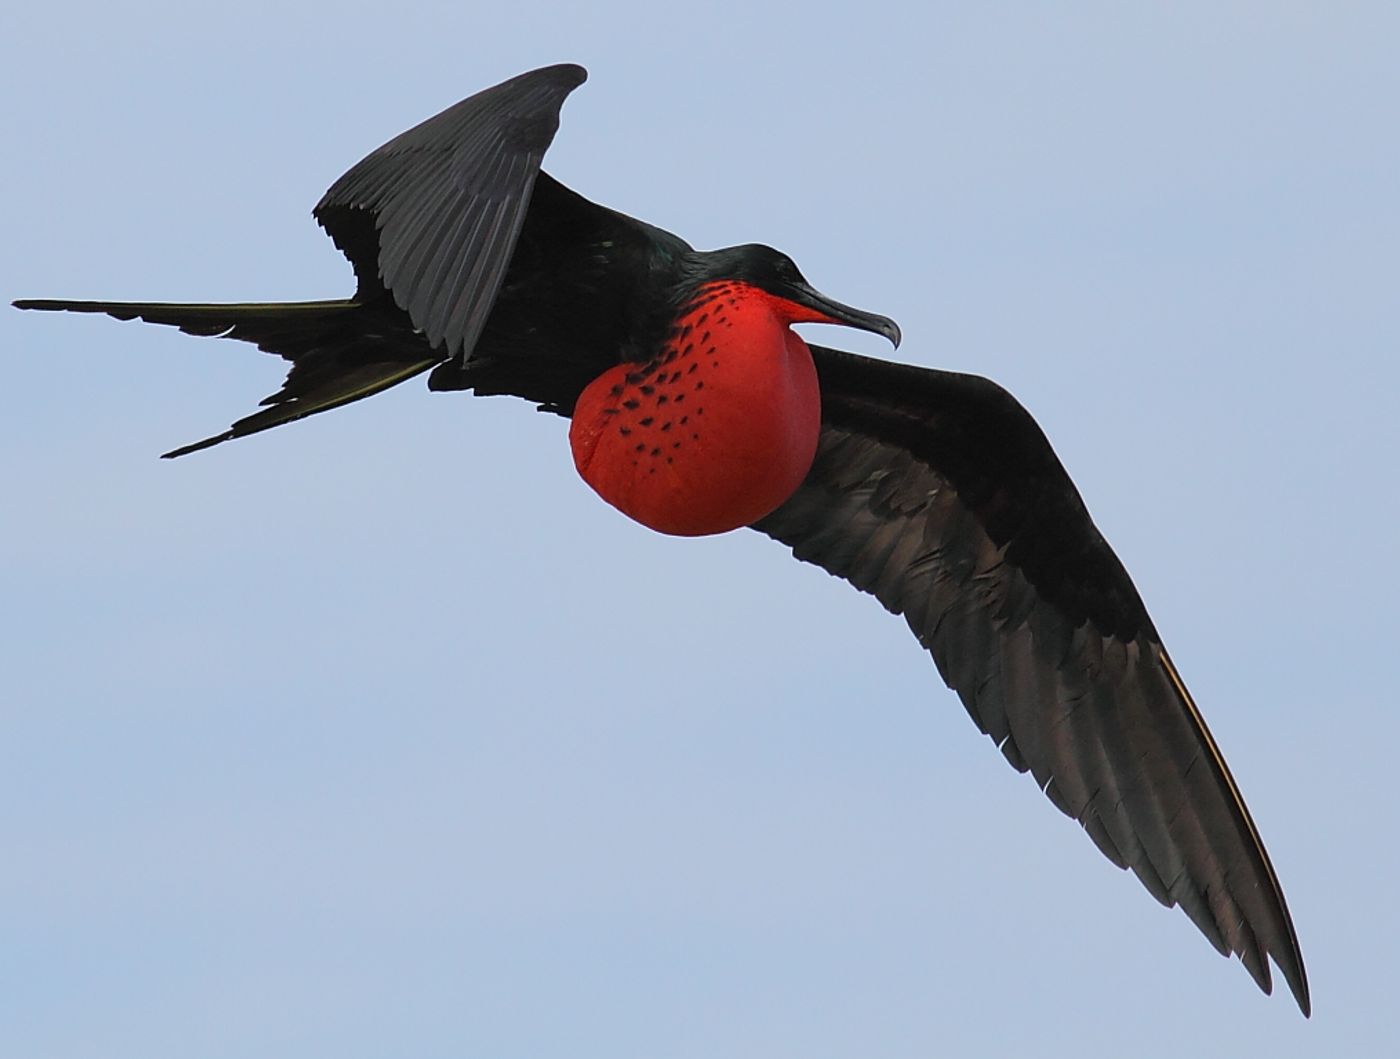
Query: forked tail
x=340, y=351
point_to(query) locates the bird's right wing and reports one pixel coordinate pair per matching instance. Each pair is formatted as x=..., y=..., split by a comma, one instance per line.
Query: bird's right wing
x=939, y=494
x=433, y=215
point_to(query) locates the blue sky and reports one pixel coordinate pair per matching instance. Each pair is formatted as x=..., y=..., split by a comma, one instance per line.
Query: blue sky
x=380, y=735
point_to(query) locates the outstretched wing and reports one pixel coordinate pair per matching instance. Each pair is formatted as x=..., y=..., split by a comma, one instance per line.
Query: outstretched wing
x=430, y=219
x=433, y=215
x=939, y=494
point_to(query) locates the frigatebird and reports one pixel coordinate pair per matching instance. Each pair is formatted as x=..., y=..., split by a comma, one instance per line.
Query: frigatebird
x=696, y=409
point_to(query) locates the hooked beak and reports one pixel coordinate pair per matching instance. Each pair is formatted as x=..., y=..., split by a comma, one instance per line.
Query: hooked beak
x=826, y=310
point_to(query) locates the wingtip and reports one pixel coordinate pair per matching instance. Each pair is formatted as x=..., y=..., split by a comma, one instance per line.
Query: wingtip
x=1297, y=979
x=1285, y=950
x=567, y=76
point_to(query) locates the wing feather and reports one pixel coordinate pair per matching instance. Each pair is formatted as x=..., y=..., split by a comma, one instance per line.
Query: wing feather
x=938, y=494
x=432, y=217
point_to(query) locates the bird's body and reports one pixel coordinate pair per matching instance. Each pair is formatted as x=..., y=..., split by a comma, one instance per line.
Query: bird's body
x=695, y=409
x=716, y=429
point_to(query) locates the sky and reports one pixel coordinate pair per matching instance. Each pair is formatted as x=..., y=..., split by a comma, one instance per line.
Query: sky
x=380, y=735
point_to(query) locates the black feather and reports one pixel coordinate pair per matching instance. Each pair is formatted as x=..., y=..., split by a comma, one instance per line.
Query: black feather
x=938, y=493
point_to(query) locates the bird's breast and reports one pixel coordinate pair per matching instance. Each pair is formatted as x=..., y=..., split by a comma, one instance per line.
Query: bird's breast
x=715, y=431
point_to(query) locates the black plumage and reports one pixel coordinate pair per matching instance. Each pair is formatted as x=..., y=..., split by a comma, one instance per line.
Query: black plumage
x=935, y=492
x=938, y=494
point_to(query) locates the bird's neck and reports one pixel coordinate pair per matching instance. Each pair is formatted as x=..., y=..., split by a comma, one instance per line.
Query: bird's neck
x=716, y=429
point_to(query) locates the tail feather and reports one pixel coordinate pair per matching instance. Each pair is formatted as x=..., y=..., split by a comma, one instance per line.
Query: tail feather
x=199, y=319
x=340, y=351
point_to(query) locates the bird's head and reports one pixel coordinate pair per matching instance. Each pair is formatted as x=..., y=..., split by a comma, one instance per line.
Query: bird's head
x=791, y=297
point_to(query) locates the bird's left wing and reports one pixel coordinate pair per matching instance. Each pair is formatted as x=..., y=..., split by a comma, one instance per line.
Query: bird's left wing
x=433, y=215
x=938, y=494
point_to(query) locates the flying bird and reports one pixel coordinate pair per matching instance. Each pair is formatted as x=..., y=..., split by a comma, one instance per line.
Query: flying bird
x=695, y=409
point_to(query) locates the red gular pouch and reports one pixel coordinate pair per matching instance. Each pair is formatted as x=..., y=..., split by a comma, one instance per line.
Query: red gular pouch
x=716, y=430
